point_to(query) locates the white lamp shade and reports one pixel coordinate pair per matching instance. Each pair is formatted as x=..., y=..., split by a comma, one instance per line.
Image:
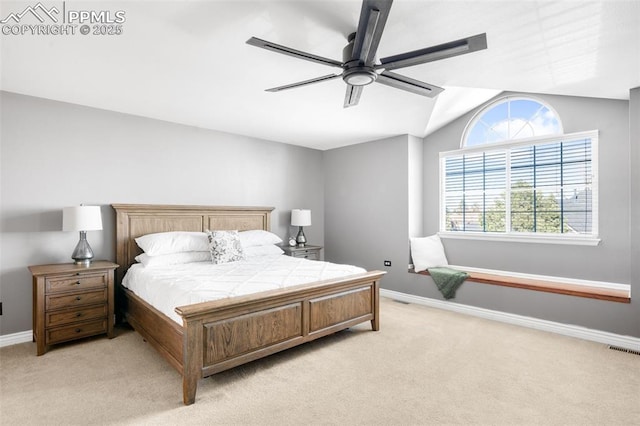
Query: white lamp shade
x=300, y=217
x=81, y=218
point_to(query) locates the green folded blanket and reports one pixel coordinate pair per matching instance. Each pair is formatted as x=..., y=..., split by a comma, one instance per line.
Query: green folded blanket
x=447, y=280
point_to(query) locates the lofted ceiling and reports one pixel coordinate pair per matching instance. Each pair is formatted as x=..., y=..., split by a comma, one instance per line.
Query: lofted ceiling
x=187, y=62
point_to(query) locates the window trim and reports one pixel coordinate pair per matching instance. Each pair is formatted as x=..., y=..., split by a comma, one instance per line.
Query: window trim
x=546, y=238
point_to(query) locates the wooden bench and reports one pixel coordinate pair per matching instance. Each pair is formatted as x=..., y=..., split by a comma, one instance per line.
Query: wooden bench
x=592, y=292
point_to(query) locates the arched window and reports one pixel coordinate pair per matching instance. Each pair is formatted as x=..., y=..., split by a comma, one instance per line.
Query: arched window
x=517, y=176
x=509, y=119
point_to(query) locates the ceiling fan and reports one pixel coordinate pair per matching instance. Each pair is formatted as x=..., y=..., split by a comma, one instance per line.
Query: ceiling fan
x=359, y=66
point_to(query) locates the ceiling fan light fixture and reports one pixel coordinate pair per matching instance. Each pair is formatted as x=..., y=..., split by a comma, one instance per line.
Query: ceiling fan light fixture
x=359, y=77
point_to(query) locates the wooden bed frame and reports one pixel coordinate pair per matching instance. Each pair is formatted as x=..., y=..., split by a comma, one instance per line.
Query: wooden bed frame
x=223, y=334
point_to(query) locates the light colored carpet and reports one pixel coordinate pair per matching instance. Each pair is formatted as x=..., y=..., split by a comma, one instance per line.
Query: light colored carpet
x=425, y=366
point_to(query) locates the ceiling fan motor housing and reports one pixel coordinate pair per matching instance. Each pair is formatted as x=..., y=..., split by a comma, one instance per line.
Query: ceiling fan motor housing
x=355, y=73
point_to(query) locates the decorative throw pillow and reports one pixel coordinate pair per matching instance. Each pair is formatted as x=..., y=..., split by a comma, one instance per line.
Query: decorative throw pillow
x=427, y=252
x=225, y=246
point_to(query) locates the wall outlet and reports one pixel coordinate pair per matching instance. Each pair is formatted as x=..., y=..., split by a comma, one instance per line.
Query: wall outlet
x=387, y=263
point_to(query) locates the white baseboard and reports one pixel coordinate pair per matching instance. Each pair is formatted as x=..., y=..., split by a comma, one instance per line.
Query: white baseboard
x=15, y=338
x=627, y=342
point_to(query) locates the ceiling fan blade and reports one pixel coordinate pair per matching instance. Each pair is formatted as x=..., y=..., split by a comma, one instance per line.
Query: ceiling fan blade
x=409, y=84
x=434, y=53
x=352, y=96
x=373, y=17
x=304, y=83
x=293, y=52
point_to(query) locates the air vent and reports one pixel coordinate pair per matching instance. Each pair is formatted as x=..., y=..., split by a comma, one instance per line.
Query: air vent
x=630, y=351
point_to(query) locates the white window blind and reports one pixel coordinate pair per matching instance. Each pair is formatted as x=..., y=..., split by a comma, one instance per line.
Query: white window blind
x=544, y=186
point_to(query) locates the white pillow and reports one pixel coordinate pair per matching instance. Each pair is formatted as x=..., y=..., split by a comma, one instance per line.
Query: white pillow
x=174, y=258
x=225, y=246
x=257, y=251
x=258, y=237
x=173, y=242
x=427, y=252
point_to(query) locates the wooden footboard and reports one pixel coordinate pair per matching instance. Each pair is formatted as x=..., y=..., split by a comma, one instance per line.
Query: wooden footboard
x=226, y=333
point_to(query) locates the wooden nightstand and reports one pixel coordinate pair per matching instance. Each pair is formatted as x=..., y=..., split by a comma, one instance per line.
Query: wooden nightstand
x=308, y=251
x=71, y=301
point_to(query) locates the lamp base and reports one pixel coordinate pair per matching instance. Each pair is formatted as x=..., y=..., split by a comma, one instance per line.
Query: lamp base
x=82, y=254
x=301, y=239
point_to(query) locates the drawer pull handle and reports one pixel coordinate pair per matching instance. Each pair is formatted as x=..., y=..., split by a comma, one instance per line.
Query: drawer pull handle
x=78, y=298
x=78, y=282
x=78, y=330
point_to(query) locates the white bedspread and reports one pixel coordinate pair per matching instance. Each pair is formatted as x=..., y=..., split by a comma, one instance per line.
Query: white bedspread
x=167, y=287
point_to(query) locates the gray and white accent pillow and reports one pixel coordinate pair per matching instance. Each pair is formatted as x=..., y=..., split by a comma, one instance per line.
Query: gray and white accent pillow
x=225, y=246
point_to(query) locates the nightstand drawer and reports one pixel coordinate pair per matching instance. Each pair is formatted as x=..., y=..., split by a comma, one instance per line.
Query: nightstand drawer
x=76, y=299
x=307, y=254
x=75, y=331
x=66, y=317
x=75, y=282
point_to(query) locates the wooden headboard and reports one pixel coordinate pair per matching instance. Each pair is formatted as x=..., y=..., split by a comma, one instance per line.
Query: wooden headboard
x=134, y=220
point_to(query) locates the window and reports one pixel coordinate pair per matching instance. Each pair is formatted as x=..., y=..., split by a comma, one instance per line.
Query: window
x=509, y=119
x=518, y=177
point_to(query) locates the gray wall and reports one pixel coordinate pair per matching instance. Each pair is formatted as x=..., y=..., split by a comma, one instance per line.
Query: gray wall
x=373, y=203
x=366, y=206
x=366, y=199
x=368, y=189
x=634, y=138
x=55, y=155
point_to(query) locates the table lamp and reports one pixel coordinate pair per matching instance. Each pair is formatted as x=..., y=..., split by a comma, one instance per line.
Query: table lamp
x=82, y=218
x=301, y=218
